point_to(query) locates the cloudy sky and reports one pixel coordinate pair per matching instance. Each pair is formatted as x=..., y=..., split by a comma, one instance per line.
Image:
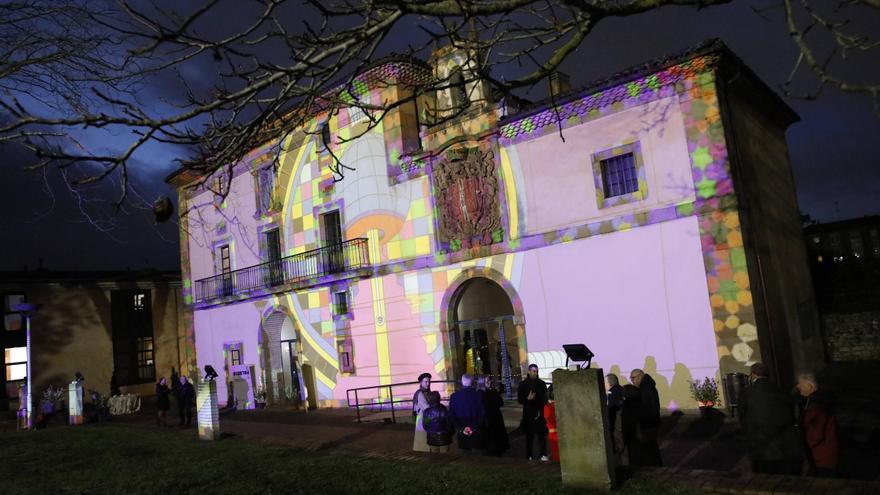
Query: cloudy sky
x=832, y=148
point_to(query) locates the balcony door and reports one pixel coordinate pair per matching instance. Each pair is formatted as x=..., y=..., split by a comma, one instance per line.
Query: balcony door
x=333, y=259
x=226, y=271
x=274, y=272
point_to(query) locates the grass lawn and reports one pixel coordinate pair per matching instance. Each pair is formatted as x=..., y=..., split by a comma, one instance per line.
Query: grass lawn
x=124, y=459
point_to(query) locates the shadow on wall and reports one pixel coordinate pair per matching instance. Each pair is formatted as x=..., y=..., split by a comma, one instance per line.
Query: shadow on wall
x=674, y=395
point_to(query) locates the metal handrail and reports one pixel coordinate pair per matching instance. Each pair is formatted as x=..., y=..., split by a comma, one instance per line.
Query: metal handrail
x=390, y=390
x=341, y=257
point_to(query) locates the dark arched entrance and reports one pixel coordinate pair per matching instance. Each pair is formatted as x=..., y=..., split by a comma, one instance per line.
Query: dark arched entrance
x=483, y=336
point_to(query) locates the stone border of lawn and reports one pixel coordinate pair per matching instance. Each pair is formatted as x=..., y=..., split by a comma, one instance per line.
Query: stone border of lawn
x=758, y=484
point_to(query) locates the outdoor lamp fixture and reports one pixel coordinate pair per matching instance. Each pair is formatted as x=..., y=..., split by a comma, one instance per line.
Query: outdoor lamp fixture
x=210, y=374
x=28, y=310
x=578, y=353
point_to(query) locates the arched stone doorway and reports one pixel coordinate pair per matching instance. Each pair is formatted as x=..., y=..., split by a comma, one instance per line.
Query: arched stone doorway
x=484, y=332
x=270, y=355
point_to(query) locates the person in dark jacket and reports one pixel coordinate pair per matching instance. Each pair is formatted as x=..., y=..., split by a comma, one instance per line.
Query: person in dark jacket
x=495, y=437
x=438, y=424
x=186, y=401
x=615, y=402
x=630, y=411
x=162, y=402
x=532, y=395
x=772, y=439
x=649, y=417
x=468, y=415
x=819, y=428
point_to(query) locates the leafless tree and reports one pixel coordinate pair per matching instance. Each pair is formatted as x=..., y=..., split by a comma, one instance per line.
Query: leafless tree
x=74, y=71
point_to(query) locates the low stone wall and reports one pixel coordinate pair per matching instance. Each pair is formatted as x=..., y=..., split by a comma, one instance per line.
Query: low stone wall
x=852, y=336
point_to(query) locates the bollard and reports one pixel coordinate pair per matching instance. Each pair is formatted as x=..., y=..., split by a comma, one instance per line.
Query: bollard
x=208, y=414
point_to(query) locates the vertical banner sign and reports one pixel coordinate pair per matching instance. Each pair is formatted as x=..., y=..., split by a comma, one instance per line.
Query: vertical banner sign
x=208, y=414
x=75, y=401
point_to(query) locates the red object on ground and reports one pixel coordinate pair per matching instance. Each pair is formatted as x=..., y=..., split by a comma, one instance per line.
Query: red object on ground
x=552, y=436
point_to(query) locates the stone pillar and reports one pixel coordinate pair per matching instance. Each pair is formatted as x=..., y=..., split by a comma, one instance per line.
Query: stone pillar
x=585, y=451
x=75, y=403
x=207, y=412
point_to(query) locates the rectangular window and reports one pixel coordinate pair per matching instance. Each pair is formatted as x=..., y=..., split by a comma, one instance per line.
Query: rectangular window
x=12, y=320
x=138, y=302
x=346, y=356
x=325, y=138
x=340, y=303
x=619, y=175
x=266, y=185
x=235, y=356
x=16, y=363
x=855, y=243
x=875, y=242
x=146, y=368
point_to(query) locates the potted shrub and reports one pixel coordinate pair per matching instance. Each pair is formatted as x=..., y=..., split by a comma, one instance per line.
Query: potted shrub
x=706, y=394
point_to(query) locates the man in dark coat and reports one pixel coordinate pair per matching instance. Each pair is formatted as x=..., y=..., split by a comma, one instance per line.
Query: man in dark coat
x=767, y=417
x=468, y=416
x=532, y=395
x=819, y=427
x=649, y=417
x=615, y=402
x=186, y=401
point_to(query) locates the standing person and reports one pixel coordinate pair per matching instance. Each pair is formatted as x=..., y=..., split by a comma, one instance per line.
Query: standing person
x=771, y=437
x=162, y=402
x=438, y=424
x=819, y=427
x=629, y=425
x=468, y=415
x=550, y=418
x=649, y=417
x=532, y=395
x=615, y=402
x=186, y=401
x=495, y=436
x=420, y=404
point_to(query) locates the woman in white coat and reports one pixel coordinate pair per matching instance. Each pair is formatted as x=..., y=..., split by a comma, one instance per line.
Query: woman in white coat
x=420, y=403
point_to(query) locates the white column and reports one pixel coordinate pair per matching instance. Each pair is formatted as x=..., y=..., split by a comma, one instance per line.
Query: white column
x=208, y=414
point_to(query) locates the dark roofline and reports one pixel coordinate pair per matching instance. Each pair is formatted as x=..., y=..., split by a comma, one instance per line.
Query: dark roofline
x=865, y=221
x=707, y=47
x=43, y=275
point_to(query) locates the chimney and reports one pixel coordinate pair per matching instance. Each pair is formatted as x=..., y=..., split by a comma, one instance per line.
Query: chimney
x=560, y=83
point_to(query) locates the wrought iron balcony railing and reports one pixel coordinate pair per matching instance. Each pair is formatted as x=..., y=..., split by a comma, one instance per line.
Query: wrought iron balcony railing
x=304, y=269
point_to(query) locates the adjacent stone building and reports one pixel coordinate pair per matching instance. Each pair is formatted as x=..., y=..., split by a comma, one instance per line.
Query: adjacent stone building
x=97, y=323
x=651, y=216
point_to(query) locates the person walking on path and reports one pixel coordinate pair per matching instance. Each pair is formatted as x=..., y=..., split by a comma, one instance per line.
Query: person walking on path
x=420, y=404
x=550, y=418
x=162, y=401
x=532, y=395
x=186, y=401
x=468, y=415
x=438, y=424
x=649, y=417
x=615, y=402
x=496, y=439
x=819, y=427
x=772, y=440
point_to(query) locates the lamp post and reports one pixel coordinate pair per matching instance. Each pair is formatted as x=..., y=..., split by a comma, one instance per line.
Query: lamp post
x=28, y=310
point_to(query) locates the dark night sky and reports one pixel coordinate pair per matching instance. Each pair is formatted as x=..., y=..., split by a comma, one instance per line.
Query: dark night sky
x=832, y=148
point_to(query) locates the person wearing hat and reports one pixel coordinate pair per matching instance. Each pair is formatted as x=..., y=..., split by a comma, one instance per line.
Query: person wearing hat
x=420, y=405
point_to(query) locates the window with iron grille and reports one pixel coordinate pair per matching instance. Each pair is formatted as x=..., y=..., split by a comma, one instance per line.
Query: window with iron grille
x=12, y=320
x=145, y=365
x=235, y=356
x=266, y=185
x=340, y=303
x=619, y=175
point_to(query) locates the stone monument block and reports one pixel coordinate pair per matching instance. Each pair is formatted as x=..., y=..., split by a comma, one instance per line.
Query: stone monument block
x=75, y=403
x=207, y=411
x=585, y=451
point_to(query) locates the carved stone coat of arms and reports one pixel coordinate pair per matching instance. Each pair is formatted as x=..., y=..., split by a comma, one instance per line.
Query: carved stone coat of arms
x=466, y=195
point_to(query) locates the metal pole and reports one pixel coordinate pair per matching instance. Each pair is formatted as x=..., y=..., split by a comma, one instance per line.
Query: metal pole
x=30, y=405
x=357, y=405
x=393, y=417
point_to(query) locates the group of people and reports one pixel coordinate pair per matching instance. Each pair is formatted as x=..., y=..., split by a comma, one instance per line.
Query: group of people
x=473, y=417
x=184, y=394
x=638, y=406
x=782, y=433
